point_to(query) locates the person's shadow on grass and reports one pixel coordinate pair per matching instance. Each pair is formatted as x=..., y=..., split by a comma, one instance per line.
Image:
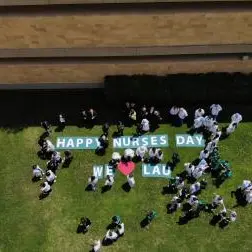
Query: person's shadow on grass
x=126, y=187
x=105, y=189
x=240, y=199
x=144, y=223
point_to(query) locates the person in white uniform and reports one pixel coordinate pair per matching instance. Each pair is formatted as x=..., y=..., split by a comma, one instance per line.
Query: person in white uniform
x=197, y=173
x=145, y=125
x=195, y=188
x=236, y=118
x=141, y=152
x=129, y=154
x=49, y=146
x=199, y=113
x=203, y=165
x=120, y=229
x=97, y=246
x=189, y=168
x=45, y=188
x=210, y=146
x=131, y=180
x=116, y=158
x=246, y=184
x=214, y=128
x=37, y=173
x=182, y=115
x=198, y=123
x=231, y=128
x=233, y=216
x=217, y=201
x=50, y=177
x=204, y=154
x=193, y=200
x=208, y=122
x=215, y=110
x=111, y=236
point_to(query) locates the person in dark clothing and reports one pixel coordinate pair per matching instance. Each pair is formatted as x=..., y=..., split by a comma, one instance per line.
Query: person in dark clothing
x=67, y=159
x=143, y=113
x=89, y=116
x=105, y=128
x=84, y=225
x=46, y=126
x=120, y=128
x=103, y=140
x=62, y=123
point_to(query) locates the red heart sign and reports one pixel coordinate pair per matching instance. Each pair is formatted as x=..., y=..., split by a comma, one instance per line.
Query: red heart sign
x=126, y=167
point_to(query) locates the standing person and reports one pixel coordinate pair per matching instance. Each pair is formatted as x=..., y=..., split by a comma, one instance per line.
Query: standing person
x=182, y=115
x=116, y=220
x=175, y=159
x=133, y=116
x=174, y=114
x=50, y=177
x=116, y=158
x=97, y=246
x=210, y=146
x=62, y=122
x=128, y=155
x=109, y=181
x=92, y=182
x=141, y=152
x=193, y=200
x=155, y=119
x=131, y=180
x=231, y=128
x=236, y=118
x=159, y=155
x=67, y=159
x=195, y=188
x=45, y=189
x=84, y=225
x=217, y=201
x=208, y=123
x=197, y=173
x=204, y=154
x=104, y=142
x=37, y=173
x=189, y=168
x=46, y=126
x=215, y=110
x=143, y=112
x=214, y=128
x=120, y=229
x=151, y=216
x=199, y=113
x=105, y=128
x=175, y=204
x=198, y=123
x=152, y=154
x=145, y=125
x=56, y=157
x=120, y=128
x=110, y=236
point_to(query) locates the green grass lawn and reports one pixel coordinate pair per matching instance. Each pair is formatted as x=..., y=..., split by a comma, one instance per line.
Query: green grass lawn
x=28, y=224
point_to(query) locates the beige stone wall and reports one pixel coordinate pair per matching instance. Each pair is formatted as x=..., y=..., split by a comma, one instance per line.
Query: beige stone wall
x=125, y=29
x=95, y=72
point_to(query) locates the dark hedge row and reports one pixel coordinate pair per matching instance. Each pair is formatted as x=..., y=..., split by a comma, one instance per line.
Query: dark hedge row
x=180, y=88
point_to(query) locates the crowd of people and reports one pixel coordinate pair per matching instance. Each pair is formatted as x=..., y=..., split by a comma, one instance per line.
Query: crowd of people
x=185, y=186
